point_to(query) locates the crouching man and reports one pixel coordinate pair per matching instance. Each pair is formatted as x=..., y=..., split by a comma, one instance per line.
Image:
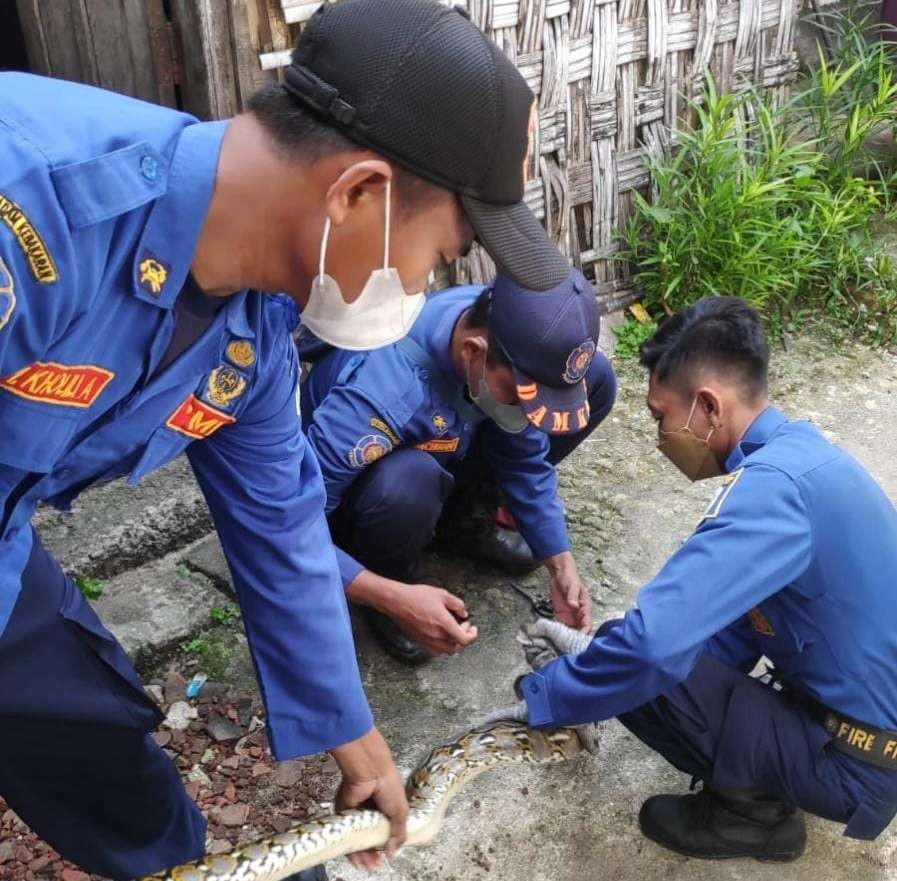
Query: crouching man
x=795, y=559
x=493, y=384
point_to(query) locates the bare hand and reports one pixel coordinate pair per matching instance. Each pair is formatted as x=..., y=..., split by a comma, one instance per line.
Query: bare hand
x=370, y=775
x=429, y=615
x=571, y=601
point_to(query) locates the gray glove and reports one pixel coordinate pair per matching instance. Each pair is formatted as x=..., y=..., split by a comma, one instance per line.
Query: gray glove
x=514, y=713
x=543, y=641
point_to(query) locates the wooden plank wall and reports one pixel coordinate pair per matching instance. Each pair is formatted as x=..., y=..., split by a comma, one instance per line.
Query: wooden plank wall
x=222, y=41
x=102, y=42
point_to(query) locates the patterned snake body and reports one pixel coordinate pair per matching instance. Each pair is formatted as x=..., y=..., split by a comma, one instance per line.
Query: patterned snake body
x=430, y=789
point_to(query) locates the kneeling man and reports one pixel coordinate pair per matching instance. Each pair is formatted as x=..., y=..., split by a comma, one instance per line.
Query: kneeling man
x=795, y=559
x=493, y=383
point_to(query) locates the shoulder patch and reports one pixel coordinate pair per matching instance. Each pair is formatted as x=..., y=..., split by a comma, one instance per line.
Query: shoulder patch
x=722, y=493
x=7, y=295
x=380, y=425
x=224, y=387
x=42, y=266
x=197, y=420
x=368, y=450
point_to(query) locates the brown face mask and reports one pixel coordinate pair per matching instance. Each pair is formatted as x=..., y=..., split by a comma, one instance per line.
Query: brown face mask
x=688, y=452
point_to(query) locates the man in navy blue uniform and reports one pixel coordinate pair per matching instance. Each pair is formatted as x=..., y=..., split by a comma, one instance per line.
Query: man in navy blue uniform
x=495, y=383
x=794, y=560
x=128, y=237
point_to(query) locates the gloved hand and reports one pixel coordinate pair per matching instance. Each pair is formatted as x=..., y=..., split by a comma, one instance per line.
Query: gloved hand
x=544, y=641
x=513, y=713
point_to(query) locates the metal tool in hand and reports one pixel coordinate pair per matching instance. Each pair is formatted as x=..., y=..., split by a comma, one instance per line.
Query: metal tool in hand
x=541, y=605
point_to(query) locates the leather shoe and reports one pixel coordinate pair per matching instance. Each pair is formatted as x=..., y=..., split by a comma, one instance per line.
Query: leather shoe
x=394, y=641
x=717, y=824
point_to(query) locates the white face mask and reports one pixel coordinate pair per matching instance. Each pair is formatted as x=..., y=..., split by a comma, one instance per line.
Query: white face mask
x=508, y=417
x=382, y=314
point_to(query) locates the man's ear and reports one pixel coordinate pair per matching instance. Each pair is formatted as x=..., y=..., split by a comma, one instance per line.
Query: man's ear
x=361, y=185
x=711, y=405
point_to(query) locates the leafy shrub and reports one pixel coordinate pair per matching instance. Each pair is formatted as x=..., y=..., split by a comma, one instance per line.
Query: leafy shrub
x=776, y=204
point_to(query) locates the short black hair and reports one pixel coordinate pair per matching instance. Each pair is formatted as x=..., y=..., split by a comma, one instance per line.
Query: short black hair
x=302, y=135
x=721, y=332
x=478, y=317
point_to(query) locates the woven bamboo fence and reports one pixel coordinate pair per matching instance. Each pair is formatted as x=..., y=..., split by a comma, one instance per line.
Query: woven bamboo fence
x=612, y=79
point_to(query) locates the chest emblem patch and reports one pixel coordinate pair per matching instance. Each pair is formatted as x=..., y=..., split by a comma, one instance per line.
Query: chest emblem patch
x=759, y=622
x=67, y=385
x=241, y=353
x=439, y=423
x=368, y=450
x=196, y=420
x=225, y=384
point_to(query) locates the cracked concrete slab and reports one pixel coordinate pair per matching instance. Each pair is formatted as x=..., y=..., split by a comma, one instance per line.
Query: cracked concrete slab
x=115, y=527
x=155, y=605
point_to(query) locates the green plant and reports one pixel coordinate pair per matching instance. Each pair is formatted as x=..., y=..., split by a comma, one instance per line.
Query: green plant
x=775, y=204
x=224, y=615
x=91, y=588
x=211, y=654
x=630, y=336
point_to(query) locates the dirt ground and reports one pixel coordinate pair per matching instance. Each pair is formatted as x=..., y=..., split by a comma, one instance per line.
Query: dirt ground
x=627, y=509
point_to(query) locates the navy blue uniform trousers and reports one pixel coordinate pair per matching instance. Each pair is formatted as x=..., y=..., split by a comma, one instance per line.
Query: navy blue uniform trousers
x=77, y=763
x=389, y=514
x=726, y=728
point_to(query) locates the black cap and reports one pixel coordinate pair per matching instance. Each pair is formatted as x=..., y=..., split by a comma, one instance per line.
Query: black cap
x=420, y=84
x=550, y=338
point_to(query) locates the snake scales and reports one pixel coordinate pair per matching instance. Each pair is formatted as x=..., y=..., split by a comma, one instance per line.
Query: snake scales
x=430, y=788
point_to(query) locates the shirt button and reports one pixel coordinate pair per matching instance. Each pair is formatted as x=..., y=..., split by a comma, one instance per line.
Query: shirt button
x=149, y=168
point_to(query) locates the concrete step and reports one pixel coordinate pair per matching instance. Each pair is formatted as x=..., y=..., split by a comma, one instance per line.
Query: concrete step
x=156, y=605
x=115, y=527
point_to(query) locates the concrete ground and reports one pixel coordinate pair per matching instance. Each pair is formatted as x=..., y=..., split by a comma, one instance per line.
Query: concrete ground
x=628, y=509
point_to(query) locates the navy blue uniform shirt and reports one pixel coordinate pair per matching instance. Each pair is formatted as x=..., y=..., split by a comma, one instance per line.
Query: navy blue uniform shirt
x=101, y=203
x=359, y=406
x=794, y=559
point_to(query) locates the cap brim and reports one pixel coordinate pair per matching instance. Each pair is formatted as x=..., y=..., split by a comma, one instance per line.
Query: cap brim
x=518, y=244
x=551, y=409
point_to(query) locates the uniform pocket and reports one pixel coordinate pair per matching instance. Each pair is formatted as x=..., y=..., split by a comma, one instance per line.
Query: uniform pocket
x=117, y=673
x=163, y=446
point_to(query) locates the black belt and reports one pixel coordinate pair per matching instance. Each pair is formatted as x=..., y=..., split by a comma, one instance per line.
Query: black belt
x=874, y=746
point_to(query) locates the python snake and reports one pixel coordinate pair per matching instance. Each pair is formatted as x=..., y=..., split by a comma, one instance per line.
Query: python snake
x=430, y=788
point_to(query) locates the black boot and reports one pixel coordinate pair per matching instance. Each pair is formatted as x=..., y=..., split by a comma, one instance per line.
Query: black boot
x=393, y=639
x=717, y=824
x=316, y=873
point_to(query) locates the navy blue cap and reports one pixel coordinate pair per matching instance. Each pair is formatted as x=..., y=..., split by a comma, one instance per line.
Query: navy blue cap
x=550, y=338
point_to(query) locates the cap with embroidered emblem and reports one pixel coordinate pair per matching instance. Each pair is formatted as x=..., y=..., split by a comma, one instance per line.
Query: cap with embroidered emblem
x=417, y=82
x=550, y=338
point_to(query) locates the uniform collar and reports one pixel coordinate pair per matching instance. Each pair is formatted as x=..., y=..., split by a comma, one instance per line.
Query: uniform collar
x=163, y=257
x=237, y=321
x=756, y=436
x=438, y=342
